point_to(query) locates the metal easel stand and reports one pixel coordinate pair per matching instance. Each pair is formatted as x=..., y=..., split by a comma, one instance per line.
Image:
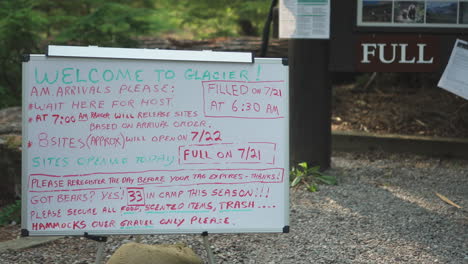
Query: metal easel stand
x=101, y=244
x=209, y=252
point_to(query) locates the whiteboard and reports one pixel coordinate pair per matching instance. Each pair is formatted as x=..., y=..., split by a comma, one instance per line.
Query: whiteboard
x=128, y=146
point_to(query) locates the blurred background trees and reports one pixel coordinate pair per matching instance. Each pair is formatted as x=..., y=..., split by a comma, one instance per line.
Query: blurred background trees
x=28, y=26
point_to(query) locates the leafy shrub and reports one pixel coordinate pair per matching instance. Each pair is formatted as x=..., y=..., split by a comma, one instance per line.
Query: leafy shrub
x=310, y=177
x=27, y=26
x=108, y=24
x=11, y=213
x=19, y=34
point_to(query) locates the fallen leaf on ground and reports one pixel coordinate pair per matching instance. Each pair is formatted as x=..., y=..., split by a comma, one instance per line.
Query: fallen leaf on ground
x=447, y=200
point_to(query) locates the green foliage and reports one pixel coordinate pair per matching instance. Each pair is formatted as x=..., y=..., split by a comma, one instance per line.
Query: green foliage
x=221, y=18
x=11, y=213
x=19, y=27
x=107, y=24
x=9, y=98
x=27, y=26
x=310, y=177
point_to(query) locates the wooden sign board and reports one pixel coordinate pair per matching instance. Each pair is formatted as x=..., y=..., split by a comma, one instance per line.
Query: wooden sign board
x=138, y=146
x=352, y=26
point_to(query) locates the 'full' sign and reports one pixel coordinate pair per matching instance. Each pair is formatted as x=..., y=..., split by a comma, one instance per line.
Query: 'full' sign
x=398, y=53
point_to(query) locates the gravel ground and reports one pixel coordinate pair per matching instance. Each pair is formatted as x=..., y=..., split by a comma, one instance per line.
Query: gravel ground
x=384, y=210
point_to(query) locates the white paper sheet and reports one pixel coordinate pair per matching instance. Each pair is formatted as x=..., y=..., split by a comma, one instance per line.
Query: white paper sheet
x=455, y=77
x=305, y=19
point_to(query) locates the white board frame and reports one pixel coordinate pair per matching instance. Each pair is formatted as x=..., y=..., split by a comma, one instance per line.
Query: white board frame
x=149, y=54
x=25, y=161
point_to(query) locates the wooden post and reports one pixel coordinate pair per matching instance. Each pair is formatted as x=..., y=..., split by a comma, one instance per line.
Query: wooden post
x=310, y=110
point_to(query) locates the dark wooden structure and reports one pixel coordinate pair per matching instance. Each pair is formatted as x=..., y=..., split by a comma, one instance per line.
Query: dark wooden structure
x=346, y=37
x=353, y=48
